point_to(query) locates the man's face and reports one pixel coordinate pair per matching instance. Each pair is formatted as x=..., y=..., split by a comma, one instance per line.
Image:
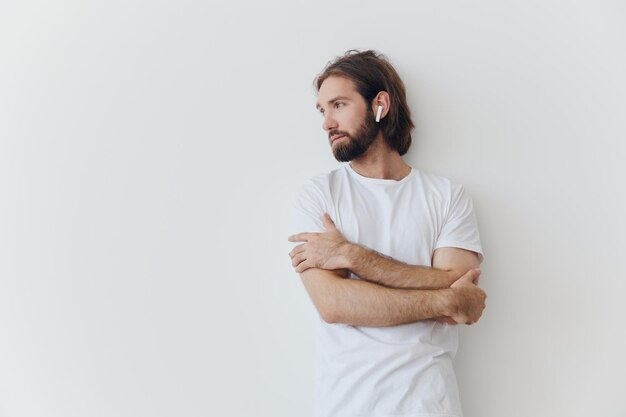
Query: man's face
x=349, y=121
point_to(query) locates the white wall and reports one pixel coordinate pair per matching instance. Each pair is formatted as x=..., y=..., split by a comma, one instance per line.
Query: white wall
x=149, y=152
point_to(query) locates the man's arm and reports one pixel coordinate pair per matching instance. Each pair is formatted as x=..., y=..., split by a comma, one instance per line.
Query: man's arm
x=455, y=260
x=381, y=269
x=448, y=265
x=361, y=303
x=330, y=250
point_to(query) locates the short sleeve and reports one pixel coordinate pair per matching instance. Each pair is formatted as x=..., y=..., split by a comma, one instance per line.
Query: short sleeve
x=307, y=211
x=460, y=229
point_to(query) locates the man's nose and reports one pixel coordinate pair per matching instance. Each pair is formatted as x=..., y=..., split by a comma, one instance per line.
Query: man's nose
x=329, y=122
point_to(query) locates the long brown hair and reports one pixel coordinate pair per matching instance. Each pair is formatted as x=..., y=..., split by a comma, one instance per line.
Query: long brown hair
x=371, y=73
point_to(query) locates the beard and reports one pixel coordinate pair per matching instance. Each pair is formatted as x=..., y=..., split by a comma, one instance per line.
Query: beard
x=355, y=145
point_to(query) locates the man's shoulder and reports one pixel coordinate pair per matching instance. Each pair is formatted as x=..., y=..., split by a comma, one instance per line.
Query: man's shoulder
x=317, y=188
x=433, y=181
x=440, y=187
x=323, y=180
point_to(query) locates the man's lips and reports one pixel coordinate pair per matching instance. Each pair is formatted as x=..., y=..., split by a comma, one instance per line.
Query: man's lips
x=334, y=138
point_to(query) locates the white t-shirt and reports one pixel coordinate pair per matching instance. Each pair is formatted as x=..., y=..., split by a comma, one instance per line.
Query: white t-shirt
x=404, y=370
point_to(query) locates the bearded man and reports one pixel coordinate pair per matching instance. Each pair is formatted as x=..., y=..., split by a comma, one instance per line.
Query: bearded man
x=388, y=254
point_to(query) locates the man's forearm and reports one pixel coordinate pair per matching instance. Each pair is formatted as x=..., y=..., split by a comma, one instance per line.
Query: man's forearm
x=362, y=303
x=381, y=269
x=388, y=306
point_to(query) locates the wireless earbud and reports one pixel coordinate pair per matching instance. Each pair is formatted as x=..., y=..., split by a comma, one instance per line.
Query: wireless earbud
x=379, y=113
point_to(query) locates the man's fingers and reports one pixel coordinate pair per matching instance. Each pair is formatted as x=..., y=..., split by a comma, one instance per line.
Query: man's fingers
x=328, y=222
x=476, y=275
x=470, y=276
x=301, y=237
x=295, y=260
x=297, y=238
x=446, y=320
x=303, y=266
x=297, y=250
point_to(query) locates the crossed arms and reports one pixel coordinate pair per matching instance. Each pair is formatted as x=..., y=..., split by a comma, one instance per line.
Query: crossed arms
x=389, y=292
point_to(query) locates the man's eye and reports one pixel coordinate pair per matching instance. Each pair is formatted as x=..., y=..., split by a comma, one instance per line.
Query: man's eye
x=338, y=104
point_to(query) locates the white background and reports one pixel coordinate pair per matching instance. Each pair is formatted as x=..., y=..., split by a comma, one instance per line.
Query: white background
x=149, y=152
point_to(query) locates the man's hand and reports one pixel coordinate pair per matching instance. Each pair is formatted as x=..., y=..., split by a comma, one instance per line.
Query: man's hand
x=325, y=250
x=467, y=301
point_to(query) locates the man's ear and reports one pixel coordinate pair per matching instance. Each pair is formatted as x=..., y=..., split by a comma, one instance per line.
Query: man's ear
x=381, y=99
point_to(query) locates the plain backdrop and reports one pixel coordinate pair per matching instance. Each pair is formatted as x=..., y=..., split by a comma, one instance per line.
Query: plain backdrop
x=150, y=151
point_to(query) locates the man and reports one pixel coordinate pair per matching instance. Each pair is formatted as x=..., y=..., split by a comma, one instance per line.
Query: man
x=390, y=255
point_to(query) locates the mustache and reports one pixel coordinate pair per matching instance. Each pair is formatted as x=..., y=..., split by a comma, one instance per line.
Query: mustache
x=337, y=132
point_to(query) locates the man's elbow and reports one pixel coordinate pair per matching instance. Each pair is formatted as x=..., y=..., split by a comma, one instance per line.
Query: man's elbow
x=321, y=286
x=328, y=311
x=329, y=317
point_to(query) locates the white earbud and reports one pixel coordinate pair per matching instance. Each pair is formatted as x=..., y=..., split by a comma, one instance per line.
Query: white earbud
x=379, y=113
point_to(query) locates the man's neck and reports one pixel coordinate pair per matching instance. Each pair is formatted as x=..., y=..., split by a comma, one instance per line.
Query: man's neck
x=381, y=162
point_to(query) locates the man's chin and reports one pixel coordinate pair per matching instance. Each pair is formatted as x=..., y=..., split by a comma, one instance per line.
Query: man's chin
x=340, y=158
x=343, y=156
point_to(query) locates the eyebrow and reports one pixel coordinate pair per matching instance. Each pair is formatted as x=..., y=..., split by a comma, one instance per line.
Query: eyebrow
x=317, y=105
